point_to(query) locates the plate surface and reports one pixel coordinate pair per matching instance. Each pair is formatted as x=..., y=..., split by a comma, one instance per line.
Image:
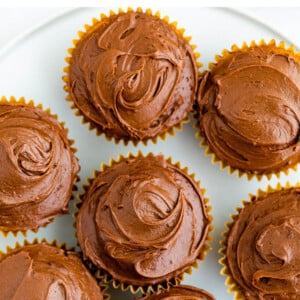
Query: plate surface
x=32, y=68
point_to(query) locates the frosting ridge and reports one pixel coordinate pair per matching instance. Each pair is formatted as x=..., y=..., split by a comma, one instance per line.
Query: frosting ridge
x=250, y=110
x=263, y=246
x=38, y=168
x=41, y=271
x=139, y=79
x=142, y=220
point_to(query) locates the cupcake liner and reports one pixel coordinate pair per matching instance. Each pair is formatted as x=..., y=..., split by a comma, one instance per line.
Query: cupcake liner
x=30, y=103
x=15, y=234
x=88, y=28
x=200, y=135
x=186, y=291
x=35, y=242
x=103, y=287
x=230, y=283
x=107, y=278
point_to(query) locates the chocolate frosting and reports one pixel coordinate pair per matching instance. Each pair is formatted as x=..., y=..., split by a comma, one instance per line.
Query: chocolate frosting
x=133, y=76
x=37, y=167
x=250, y=109
x=263, y=247
x=182, y=292
x=43, y=272
x=143, y=220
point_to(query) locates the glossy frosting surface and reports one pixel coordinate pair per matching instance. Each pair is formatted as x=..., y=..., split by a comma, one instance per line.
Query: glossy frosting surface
x=182, y=292
x=42, y=272
x=250, y=109
x=132, y=76
x=37, y=167
x=263, y=247
x=143, y=220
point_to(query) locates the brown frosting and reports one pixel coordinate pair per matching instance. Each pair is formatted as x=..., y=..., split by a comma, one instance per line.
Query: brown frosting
x=182, y=292
x=37, y=167
x=143, y=220
x=45, y=272
x=132, y=76
x=250, y=109
x=263, y=247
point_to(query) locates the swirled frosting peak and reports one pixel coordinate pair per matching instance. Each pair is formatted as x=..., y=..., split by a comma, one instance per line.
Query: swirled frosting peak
x=181, y=292
x=263, y=247
x=143, y=220
x=133, y=76
x=250, y=109
x=37, y=167
x=43, y=272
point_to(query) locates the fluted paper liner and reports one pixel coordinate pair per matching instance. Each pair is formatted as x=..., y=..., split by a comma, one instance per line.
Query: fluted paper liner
x=21, y=101
x=229, y=281
x=186, y=287
x=203, y=143
x=82, y=34
x=103, y=287
x=104, y=276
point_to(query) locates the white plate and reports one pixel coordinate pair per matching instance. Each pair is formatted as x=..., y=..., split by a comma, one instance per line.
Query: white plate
x=32, y=67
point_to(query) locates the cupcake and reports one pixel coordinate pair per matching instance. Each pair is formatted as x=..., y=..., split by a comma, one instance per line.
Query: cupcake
x=262, y=247
x=132, y=76
x=249, y=108
x=180, y=292
x=38, y=168
x=143, y=223
x=42, y=271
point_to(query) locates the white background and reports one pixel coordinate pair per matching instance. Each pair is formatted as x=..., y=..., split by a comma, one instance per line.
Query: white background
x=18, y=76
x=16, y=20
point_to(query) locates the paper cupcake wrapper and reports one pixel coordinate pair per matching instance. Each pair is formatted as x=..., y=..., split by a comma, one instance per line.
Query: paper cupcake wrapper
x=229, y=281
x=103, y=287
x=22, y=101
x=92, y=125
x=104, y=276
x=196, y=293
x=203, y=143
x=35, y=242
x=234, y=48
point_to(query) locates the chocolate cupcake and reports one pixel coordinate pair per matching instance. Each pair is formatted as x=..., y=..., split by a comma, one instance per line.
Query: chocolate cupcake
x=184, y=292
x=249, y=109
x=143, y=222
x=261, y=248
x=42, y=271
x=132, y=76
x=38, y=168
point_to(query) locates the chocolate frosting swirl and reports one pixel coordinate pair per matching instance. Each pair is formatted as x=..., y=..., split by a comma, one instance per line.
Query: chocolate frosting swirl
x=250, y=109
x=263, y=247
x=182, y=292
x=143, y=220
x=37, y=167
x=43, y=272
x=133, y=76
